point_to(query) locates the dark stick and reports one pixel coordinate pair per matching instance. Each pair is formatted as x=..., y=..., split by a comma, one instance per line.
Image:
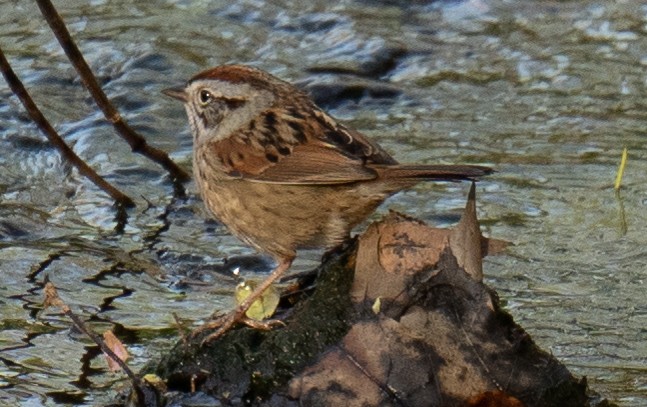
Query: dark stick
x=68, y=154
x=137, y=143
x=148, y=396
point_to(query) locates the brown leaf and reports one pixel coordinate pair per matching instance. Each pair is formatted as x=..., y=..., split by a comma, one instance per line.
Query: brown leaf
x=492, y=247
x=117, y=347
x=51, y=297
x=465, y=239
x=494, y=399
x=394, y=248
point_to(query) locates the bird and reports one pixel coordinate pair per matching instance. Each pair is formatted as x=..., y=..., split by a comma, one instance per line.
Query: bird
x=282, y=174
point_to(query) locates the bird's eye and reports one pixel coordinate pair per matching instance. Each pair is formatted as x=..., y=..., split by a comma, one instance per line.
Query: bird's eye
x=205, y=97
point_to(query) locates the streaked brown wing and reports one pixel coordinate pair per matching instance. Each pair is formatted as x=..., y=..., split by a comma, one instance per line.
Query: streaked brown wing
x=315, y=163
x=312, y=163
x=348, y=141
x=287, y=147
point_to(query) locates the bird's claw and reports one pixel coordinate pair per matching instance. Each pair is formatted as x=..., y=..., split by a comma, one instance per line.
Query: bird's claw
x=225, y=323
x=266, y=325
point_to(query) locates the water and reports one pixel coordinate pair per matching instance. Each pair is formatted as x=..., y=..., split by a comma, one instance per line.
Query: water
x=547, y=92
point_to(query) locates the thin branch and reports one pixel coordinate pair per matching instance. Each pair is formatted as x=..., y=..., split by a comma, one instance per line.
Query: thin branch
x=137, y=143
x=66, y=152
x=147, y=394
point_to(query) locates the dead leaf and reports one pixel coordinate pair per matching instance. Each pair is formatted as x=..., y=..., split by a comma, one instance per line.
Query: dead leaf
x=395, y=249
x=494, y=399
x=262, y=308
x=51, y=297
x=117, y=348
x=465, y=239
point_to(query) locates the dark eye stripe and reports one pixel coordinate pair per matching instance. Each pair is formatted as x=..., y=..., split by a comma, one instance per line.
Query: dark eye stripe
x=207, y=97
x=232, y=103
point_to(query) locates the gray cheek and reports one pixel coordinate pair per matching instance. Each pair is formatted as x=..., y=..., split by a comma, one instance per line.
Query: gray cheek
x=204, y=122
x=213, y=115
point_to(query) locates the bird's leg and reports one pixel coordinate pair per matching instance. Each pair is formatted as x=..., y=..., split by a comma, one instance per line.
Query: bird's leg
x=224, y=324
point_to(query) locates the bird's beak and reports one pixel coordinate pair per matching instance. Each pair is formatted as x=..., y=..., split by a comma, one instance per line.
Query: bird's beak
x=176, y=93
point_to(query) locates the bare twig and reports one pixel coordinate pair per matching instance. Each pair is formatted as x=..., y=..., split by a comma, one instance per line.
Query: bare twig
x=146, y=393
x=56, y=140
x=137, y=143
x=52, y=299
x=181, y=328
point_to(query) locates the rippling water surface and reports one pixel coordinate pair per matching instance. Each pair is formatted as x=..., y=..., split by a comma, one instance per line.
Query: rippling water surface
x=547, y=92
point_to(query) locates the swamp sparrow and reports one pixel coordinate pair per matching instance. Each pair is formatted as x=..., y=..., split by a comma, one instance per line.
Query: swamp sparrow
x=282, y=174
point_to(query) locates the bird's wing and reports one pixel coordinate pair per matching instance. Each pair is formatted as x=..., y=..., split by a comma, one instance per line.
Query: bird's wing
x=306, y=164
x=314, y=150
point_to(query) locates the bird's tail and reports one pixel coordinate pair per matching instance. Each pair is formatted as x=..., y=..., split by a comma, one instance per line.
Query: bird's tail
x=439, y=172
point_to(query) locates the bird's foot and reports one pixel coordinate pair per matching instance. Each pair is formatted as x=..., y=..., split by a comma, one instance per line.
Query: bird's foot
x=224, y=323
